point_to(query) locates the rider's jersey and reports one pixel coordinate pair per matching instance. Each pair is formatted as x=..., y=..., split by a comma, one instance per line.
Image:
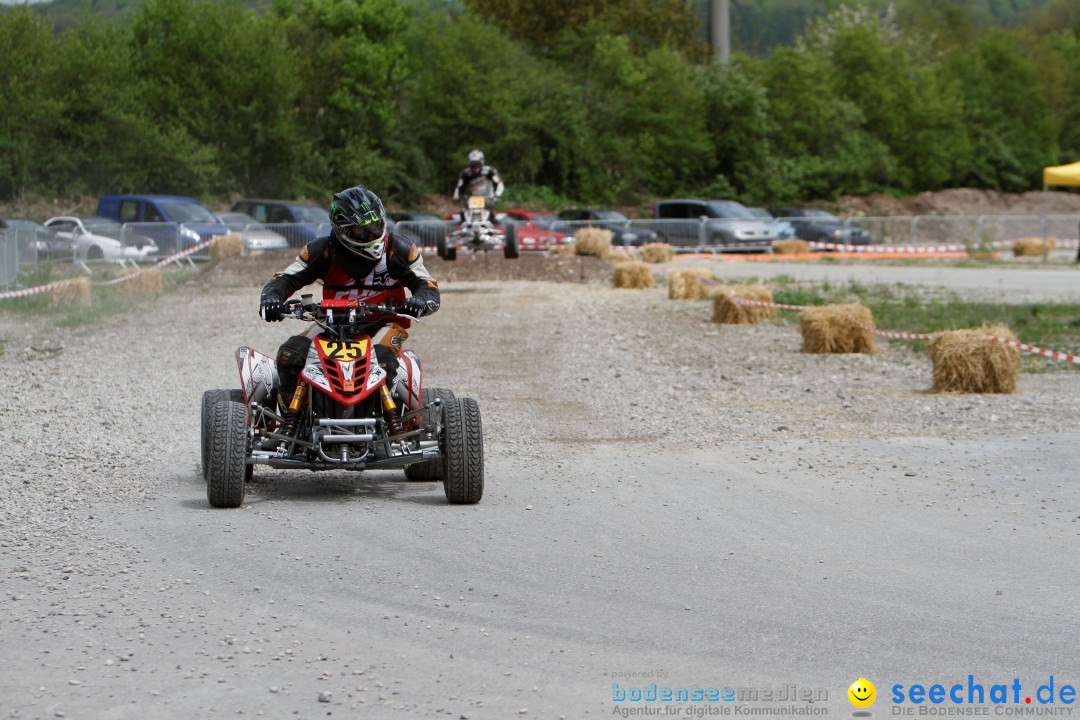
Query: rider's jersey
x=471, y=177
x=344, y=275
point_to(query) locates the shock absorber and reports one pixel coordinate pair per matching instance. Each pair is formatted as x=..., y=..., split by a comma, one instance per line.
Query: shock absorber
x=292, y=417
x=390, y=410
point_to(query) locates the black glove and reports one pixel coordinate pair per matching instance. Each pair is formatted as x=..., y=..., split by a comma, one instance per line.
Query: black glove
x=272, y=310
x=414, y=306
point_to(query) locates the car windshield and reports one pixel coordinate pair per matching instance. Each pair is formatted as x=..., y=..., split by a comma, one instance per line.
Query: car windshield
x=22, y=223
x=610, y=216
x=182, y=212
x=822, y=215
x=544, y=220
x=240, y=220
x=100, y=225
x=760, y=213
x=730, y=209
x=310, y=214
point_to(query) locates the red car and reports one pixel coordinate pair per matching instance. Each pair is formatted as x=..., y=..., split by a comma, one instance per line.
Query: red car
x=538, y=229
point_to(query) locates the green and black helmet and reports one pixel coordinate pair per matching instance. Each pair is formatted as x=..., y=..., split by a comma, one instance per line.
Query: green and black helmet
x=359, y=221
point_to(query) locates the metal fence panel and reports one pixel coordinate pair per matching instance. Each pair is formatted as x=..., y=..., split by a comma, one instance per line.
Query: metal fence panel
x=9, y=259
x=424, y=234
x=299, y=234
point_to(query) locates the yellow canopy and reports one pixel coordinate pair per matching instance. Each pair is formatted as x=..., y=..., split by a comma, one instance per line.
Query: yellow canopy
x=1062, y=174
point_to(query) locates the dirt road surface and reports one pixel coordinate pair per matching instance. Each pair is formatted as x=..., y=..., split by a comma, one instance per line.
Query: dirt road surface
x=668, y=501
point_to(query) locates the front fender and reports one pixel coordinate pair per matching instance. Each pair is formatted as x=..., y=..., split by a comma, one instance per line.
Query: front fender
x=258, y=375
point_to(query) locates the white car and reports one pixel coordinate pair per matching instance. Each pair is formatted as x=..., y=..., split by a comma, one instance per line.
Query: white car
x=101, y=239
x=257, y=237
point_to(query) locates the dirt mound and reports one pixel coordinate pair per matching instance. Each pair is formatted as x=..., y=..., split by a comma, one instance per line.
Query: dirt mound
x=255, y=270
x=961, y=201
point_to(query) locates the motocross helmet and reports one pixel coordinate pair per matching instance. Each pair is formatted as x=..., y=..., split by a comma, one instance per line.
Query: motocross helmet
x=476, y=158
x=359, y=221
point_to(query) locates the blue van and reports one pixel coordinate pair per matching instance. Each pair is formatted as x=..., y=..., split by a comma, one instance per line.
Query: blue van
x=172, y=221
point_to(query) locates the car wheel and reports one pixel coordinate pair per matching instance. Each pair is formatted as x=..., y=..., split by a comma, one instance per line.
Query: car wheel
x=95, y=253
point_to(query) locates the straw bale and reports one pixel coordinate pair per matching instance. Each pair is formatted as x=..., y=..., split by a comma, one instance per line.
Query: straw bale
x=728, y=312
x=657, y=253
x=565, y=249
x=790, y=247
x=968, y=361
x=633, y=275
x=689, y=283
x=227, y=246
x=1033, y=246
x=74, y=292
x=148, y=281
x=837, y=329
x=593, y=241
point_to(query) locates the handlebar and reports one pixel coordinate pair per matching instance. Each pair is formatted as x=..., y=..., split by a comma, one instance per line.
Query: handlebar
x=342, y=312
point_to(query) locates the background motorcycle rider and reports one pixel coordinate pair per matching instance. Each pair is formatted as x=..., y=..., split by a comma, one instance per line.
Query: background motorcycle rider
x=358, y=260
x=472, y=175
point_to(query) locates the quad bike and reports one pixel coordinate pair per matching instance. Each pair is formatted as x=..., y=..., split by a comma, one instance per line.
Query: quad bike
x=343, y=415
x=478, y=231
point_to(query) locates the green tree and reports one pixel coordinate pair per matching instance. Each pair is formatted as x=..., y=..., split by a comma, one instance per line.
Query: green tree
x=1013, y=134
x=28, y=51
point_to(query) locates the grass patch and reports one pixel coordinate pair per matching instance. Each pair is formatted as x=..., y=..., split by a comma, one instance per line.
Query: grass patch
x=1053, y=326
x=108, y=301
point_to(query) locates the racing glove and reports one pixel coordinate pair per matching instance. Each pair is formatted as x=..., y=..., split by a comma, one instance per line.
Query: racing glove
x=414, y=306
x=271, y=309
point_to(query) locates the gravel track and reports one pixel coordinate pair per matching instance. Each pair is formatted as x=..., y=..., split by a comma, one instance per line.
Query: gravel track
x=662, y=492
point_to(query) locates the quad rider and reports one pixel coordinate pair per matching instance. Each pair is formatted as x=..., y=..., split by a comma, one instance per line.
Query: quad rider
x=479, y=179
x=359, y=260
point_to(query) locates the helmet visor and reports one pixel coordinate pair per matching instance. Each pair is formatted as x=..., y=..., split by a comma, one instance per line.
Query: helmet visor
x=365, y=234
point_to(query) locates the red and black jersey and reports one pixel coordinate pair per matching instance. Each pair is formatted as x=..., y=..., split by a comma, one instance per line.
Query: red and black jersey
x=345, y=275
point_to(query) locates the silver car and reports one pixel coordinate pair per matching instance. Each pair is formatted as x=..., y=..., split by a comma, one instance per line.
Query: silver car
x=257, y=237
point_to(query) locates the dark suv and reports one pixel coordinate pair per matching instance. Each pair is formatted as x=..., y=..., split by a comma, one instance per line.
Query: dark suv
x=718, y=223
x=619, y=225
x=300, y=223
x=820, y=226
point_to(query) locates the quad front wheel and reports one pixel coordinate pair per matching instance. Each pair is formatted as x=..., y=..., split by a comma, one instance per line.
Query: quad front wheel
x=227, y=455
x=211, y=398
x=510, y=249
x=463, y=451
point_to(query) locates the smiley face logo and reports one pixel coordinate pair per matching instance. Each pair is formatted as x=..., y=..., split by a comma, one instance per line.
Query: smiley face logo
x=862, y=693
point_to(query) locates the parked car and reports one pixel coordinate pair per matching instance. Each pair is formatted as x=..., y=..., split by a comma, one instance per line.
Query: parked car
x=37, y=241
x=724, y=222
x=101, y=239
x=619, y=225
x=815, y=225
x=423, y=228
x=299, y=223
x=173, y=222
x=257, y=237
x=784, y=229
x=537, y=230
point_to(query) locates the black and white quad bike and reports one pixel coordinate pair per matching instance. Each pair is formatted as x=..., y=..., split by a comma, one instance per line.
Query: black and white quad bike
x=345, y=414
x=478, y=231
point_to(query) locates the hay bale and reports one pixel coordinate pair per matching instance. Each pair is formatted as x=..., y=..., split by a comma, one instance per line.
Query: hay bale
x=689, y=283
x=147, y=282
x=790, y=247
x=657, y=253
x=968, y=361
x=593, y=241
x=633, y=275
x=565, y=249
x=1033, y=246
x=227, y=246
x=837, y=329
x=731, y=313
x=73, y=292
x=623, y=254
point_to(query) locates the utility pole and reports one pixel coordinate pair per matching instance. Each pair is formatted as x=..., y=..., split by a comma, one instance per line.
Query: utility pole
x=720, y=30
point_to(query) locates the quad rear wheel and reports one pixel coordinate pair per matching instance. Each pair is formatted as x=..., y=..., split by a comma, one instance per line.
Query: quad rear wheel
x=463, y=451
x=510, y=249
x=429, y=470
x=226, y=461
